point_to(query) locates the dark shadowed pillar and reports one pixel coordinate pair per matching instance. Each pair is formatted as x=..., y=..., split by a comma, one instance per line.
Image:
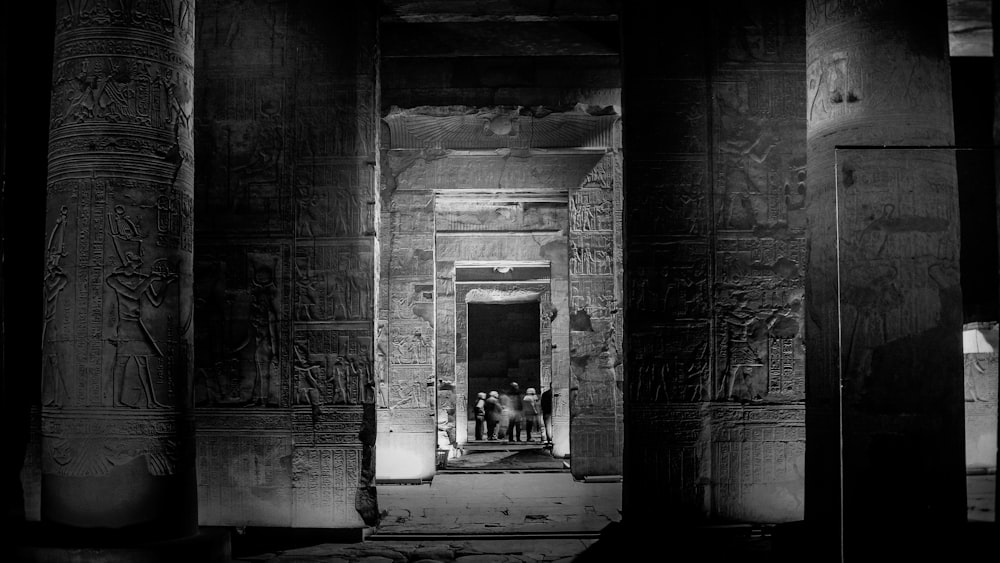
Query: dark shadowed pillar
x=117, y=429
x=884, y=309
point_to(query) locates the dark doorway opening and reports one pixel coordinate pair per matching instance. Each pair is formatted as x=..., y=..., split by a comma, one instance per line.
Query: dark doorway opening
x=504, y=347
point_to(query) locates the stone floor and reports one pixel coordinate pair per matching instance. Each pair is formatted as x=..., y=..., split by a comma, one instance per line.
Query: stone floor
x=535, y=518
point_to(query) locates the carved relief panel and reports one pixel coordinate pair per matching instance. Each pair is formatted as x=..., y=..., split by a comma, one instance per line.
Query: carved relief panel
x=333, y=200
x=244, y=300
x=759, y=152
x=671, y=199
x=333, y=282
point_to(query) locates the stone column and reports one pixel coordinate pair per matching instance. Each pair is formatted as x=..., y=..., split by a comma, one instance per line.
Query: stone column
x=883, y=301
x=117, y=428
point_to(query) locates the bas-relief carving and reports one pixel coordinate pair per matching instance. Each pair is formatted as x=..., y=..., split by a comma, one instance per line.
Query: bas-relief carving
x=670, y=279
x=682, y=117
x=220, y=454
x=410, y=387
x=138, y=352
x=591, y=254
x=57, y=332
x=671, y=199
x=317, y=503
x=249, y=32
x=591, y=209
x=758, y=456
x=333, y=282
x=670, y=364
x=333, y=367
x=412, y=257
x=411, y=213
x=898, y=251
x=333, y=201
x=760, y=33
x=497, y=246
x=99, y=89
x=511, y=216
x=174, y=18
x=848, y=83
x=244, y=354
x=115, y=323
x=606, y=174
x=758, y=309
x=92, y=441
x=410, y=343
x=411, y=300
x=760, y=154
x=331, y=120
x=542, y=172
x=595, y=296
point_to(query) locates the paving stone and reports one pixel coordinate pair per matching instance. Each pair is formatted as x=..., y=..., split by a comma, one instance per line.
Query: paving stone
x=442, y=553
x=484, y=558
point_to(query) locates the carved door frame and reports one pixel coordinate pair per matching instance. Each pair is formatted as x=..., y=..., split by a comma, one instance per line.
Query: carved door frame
x=535, y=291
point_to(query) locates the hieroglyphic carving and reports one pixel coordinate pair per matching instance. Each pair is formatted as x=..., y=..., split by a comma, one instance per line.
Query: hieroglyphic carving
x=174, y=19
x=243, y=294
x=243, y=181
x=594, y=295
x=221, y=457
x=58, y=313
x=606, y=174
x=333, y=367
x=591, y=254
x=410, y=343
x=475, y=215
x=324, y=485
x=758, y=453
x=331, y=120
x=671, y=199
x=758, y=301
x=411, y=212
x=91, y=441
x=898, y=249
x=411, y=300
x=846, y=83
x=591, y=209
x=411, y=256
x=333, y=200
x=682, y=123
x=671, y=278
x=760, y=155
x=529, y=171
x=411, y=387
x=670, y=364
x=760, y=34
x=326, y=427
x=136, y=346
x=333, y=282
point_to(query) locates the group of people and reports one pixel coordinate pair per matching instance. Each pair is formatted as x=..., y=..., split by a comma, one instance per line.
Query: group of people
x=502, y=415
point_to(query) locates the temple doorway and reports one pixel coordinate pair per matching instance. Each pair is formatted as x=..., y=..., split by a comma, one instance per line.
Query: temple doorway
x=504, y=349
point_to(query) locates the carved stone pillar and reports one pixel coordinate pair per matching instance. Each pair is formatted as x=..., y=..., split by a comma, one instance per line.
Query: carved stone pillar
x=884, y=309
x=117, y=427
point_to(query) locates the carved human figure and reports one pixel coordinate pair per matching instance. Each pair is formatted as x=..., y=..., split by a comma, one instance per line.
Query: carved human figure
x=134, y=344
x=263, y=333
x=381, y=364
x=306, y=375
x=54, y=282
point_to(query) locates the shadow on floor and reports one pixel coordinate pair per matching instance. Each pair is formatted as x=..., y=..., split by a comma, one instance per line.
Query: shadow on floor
x=501, y=458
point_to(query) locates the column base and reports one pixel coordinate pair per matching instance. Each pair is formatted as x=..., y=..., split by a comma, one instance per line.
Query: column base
x=208, y=546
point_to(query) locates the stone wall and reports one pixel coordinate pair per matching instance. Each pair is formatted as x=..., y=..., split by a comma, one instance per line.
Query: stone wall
x=285, y=216
x=980, y=396
x=715, y=261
